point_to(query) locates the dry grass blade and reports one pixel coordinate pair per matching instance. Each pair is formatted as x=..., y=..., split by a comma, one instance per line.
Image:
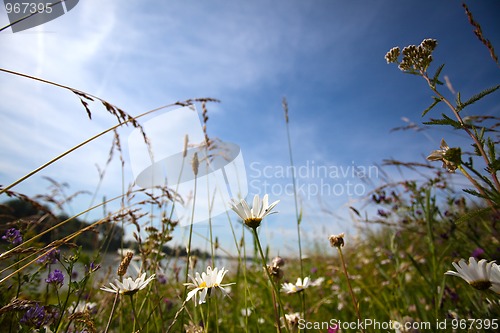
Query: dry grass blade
x=479, y=33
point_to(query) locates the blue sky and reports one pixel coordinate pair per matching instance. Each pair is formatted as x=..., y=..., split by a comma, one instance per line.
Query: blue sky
x=325, y=56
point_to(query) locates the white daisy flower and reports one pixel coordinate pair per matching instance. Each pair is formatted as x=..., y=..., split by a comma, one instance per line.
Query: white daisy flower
x=481, y=275
x=206, y=284
x=253, y=216
x=291, y=288
x=82, y=306
x=129, y=286
x=495, y=278
x=318, y=282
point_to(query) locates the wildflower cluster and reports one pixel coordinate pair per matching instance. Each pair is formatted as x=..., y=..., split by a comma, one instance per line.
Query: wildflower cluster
x=50, y=257
x=416, y=59
x=56, y=278
x=13, y=236
x=35, y=316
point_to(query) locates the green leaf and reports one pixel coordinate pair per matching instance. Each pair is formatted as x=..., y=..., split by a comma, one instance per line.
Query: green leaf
x=491, y=150
x=436, y=100
x=494, y=166
x=473, y=214
x=459, y=104
x=435, y=78
x=477, y=97
x=473, y=192
x=445, y=121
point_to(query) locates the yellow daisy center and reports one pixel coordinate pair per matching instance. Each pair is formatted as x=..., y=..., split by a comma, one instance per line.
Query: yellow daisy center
x=203, y=285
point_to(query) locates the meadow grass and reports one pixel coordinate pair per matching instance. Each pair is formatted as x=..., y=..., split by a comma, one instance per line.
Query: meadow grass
x=389, y=276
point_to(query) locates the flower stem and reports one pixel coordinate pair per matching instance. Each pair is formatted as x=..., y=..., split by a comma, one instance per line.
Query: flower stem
x=353, y=297
x=275, y=289
x=460, y=120
x=133, y=311
x=112, y=313
x=297, y=215
x=188, y=254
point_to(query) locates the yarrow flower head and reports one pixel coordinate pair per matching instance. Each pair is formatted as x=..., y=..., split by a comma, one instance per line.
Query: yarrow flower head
x=129, y=286
x=291, y=288
x=481, y=275
x=416, y=59
x=13, y=236
x=253, y=216
x=451, y=157
x=206, y=283
x=392, y=55
x=56, y=278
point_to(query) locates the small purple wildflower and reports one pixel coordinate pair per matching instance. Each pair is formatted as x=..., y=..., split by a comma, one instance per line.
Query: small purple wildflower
x=56, y=277
x=13, y=236
x=383, y=213
x=35, y=316
x=477, y=253
x=92, y=267
x=50, y=257
x=162, y=279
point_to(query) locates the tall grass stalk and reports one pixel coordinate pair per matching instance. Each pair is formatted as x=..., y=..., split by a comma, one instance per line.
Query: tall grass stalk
x=275, y=290
x=195, y=165
x=351, y=292
x=297, y=215
x=113, y=308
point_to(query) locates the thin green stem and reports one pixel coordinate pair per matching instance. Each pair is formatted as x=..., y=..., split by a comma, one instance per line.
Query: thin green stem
x=353, y=297
x=275, y=289
x=188, y=252
x=467, y=130
x=297, y=215
x=136, y=320
x=112, y=313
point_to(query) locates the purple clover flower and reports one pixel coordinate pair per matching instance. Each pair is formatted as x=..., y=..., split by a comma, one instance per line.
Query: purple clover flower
x=50, y=257
x=56, y=277
x=35, y=316
x=13, y=236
